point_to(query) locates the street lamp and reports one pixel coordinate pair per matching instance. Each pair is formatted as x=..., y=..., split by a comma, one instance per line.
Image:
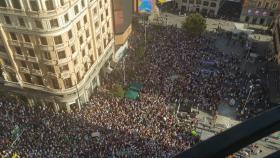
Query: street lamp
x=251, y=89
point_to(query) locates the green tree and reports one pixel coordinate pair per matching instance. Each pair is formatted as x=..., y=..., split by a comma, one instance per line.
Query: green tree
x=118, y=91
x=194, y=24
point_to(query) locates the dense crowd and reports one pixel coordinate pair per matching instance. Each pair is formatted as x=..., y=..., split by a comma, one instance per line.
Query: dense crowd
x=174, y=68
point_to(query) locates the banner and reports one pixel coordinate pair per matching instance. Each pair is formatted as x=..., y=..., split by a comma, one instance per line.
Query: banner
x=145, y=6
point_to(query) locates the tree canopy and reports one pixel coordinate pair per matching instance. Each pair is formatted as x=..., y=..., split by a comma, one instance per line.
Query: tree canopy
x=194, y=24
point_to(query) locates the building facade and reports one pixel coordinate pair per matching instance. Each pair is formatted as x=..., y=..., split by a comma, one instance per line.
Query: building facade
x=52, y=51
x=276, y=38
x=259, y=12
x=205, y=7
x=123, y=11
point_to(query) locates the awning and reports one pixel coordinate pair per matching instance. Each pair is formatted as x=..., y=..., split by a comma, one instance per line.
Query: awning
x=132, y=95
x=136, y=87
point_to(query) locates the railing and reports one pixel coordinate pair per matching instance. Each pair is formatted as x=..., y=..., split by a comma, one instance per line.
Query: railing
x=237, y=137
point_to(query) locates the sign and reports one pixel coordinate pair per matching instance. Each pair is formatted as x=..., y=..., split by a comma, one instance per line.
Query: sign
x=145, y=6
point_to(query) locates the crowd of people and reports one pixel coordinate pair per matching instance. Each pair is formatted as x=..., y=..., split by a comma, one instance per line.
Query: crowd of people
x=174, y=68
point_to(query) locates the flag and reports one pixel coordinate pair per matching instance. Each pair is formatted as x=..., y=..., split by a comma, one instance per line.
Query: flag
x=15, y=155
x=15, y=132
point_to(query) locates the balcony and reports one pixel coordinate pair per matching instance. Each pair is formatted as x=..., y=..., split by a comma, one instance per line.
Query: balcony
x=46, y=47
x=32, y=59
x=24, y=70
x=20, y=57
x=237, y=137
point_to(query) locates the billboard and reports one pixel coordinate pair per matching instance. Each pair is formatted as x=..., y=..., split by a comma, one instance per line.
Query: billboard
x=145, y=6
x=122, y=15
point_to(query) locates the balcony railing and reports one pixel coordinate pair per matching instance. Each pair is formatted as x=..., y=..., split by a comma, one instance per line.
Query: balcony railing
x=237, y=137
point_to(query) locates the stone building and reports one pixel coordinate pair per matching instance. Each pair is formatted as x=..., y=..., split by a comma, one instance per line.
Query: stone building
x=205, y=7
x=52, y=51
x=259, y=11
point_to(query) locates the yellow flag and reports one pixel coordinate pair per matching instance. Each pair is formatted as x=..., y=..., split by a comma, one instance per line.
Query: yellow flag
x=15, y=155
x=163, y=1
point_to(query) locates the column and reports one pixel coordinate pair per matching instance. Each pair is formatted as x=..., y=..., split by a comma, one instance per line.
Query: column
x=43, y=5
x=97, y=81
x=68, y=108
x=56, y=107
x=43, y=104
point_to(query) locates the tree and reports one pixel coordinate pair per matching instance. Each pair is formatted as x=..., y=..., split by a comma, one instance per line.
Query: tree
x=118, y=91
x=194, y=24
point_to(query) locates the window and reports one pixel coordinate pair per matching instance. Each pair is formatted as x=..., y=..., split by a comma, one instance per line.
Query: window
x=78, y=25
x=198, y=1
x=81, y=40
x=73, y=49
x=99, y=51
x=27, y=78
x=34, y=5
x=18, y=50
x=266, y=5
x=31, y=52
x=96, y=24
x=86, y=67
x=43, y=40
x=61, y=55
x=100, y=4
x=89, y=46
x=39, y=80
x=49, y=4
x=64, y=68
x=67, y=83
x=16, y=4
x=191, y=2
x=259, y=4
x=76, y=9
x=107, y=12
x=213, y=4
x=13, y=36
x=2, y=49
x=62, y=2
x=55, y=84
x=54, y=23
x=38, y=24
x=7, y=20
x=23, y=64
x=95, y=10
x=85, y=19
x=26, y=38
x=3, y=4
x=83, y=3
x=35, y=66
x=21, y=22
x=70, y=34
x=87, y=33
x=66, y=18
x=98, y=37
x=83, y=52
x=75, y=62
x=78, y=76
x=102, y=18
x=103, y=29
x=50, y=69
x=7, y=62
x=274, y=5
x=57, y=40
x=47, y=55
x=108, y=24
x=205, y=3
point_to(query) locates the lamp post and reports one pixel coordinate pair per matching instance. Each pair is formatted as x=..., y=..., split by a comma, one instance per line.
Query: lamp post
x=78, y=95
x=251, y=89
